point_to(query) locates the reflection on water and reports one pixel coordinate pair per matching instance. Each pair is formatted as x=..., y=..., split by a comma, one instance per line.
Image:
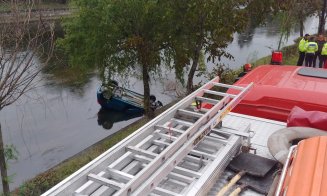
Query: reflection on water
x=107, y=118
x=245, y=38
x=260, y=41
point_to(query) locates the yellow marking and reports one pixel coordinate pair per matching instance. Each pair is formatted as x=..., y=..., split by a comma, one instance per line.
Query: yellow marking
x=225, y=112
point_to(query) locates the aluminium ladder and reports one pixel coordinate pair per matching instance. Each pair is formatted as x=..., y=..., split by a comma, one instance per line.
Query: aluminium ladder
x=174, y=154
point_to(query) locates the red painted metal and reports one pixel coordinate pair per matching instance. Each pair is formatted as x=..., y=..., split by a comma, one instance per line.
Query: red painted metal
x=277, y=89
x=276, y=58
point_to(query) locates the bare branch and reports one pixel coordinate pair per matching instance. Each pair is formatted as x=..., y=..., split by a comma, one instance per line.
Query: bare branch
x=20, y=41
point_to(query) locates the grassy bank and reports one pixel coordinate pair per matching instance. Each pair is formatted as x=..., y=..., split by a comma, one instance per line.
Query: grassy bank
x=290, y=56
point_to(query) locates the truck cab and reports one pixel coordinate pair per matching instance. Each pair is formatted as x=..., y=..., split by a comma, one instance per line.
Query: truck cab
x=277, y=89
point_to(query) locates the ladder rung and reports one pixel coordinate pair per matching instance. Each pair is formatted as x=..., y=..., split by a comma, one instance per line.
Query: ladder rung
x=169, y=129
x=203, y=154
x=228, y=86
x=164, y=192
x=187, y=172
x=166, y=136
x=207, y=150
x=116, y=174
x=142, y=159
x=232, y=131
x=133, y=167
x=120, y=162
x=216, y=140
x=105, y=181
x=205, y=145
x=190, y=113
x=141, y=152
x=180, y=177
x=83, y=188
x=177, y=182
x=183, y=122
x=204, y=110
x=153, y=148
x=88, y=187
x=194, y=159
x=123, y=160
x=219, y=93
x=217, y=135
x=160, y=143
x=103, y=190
x=207, y=100
x=146, y=143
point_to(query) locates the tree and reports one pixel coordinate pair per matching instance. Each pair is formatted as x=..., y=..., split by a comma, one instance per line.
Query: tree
x=322, y=18
x=127, y=35
x=203, y=28
x=20, y=42
x=294, y=12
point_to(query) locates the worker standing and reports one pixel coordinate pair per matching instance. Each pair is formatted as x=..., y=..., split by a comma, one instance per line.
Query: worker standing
x=324, y=53
x=320, y=41
x=311, y=48
x=301, y=48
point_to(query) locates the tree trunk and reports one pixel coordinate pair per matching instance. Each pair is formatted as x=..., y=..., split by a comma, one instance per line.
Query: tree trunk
x=3, y=167
x=195, y=63
x=197, y=51
x=301, y=28
x=322, y=19
x=146, y=78
x=280, y=41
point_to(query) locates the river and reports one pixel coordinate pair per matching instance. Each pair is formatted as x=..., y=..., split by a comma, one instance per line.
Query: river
x=55, y=122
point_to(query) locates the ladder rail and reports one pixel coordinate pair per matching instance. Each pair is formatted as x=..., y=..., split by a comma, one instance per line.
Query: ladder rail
x=82, y=176
x=228, y=86
x=171, y=149
x=168, y=166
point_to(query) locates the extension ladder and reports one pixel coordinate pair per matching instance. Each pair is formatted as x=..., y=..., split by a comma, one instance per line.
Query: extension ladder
x=178, y=153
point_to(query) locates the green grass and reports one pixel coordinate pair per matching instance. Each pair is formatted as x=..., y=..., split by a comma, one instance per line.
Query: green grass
x=290, y=57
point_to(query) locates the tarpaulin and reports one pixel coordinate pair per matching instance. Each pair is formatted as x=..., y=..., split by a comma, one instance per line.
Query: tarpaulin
x=301, y=118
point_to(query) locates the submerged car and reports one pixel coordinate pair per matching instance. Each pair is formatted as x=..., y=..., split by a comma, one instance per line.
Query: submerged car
x=117, y=98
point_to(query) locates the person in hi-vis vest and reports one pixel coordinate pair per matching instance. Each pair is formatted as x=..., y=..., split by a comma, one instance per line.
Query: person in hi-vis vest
x=320, y=40
x=324, y=54
x=301, y=48
x=310, y=49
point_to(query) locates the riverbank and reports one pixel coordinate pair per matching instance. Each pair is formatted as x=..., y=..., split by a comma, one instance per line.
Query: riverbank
x=290, y=56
